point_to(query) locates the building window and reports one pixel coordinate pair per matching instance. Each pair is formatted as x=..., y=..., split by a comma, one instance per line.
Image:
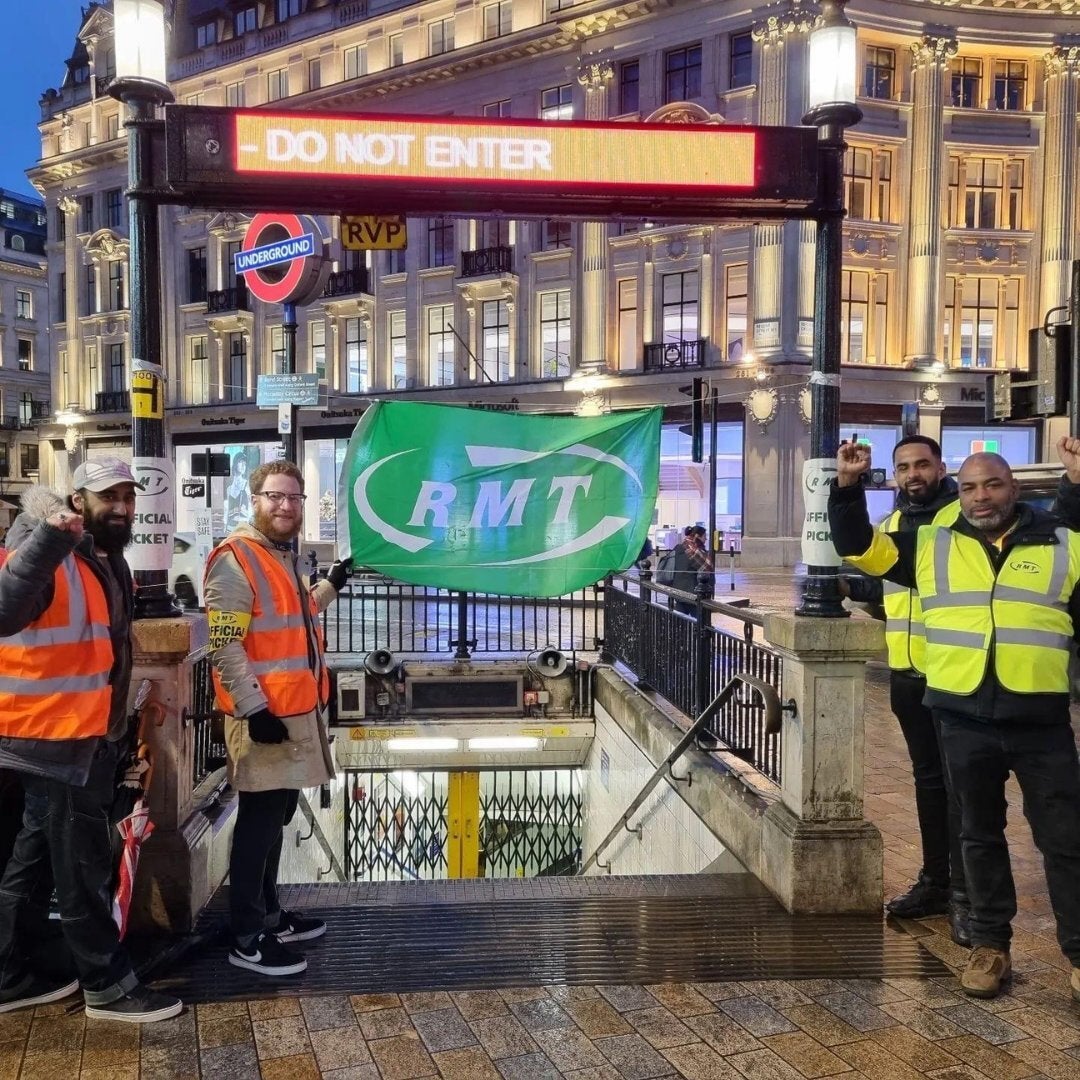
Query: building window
x=193, y=99
x=196, y=275
x=967, y=82
x=556, y=103
x=553, y=7
x=206, y=34
x=555, y=334
x=236, y=368
x=116, y=285
x=395, y=261
x=231, y=249
x=234, y=95
x=398, y=353
x=741, y=61
x=25, y=354
x=314, y=74
x=61, y=297
x=629, y=87
x=396, y=50
x=116, y=372
x=498, y=19
x=985, y=193
x=441, y=36
x=277, y=84
x=114, y=204
x=868, y=183
x=556, y=234
x=92, y=368
x=682, y=74
x=978, y=317
x=287, y=9
x=28, y=458
x=1010, y=84
x=854, y=315
x=879, y=74
x=90, y=295
x=355, y=62
x=86, y=213
x=628, y=335
x=277, y=349
x=679, y=306
x=5, y=460
x=735, y=309
x=356, y=357
x=245, y=20
x=24, y=304
x=318, y=349
x=986, y=312
x=60, y=220
x=440, y=242
x=440, y=335
x=497, y=109
x=495, y=339
x=493, y=232
x=112, y=126
x=198, y=381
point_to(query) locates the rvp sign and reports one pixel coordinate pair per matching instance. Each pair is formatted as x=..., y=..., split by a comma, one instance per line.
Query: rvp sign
x=385, y=233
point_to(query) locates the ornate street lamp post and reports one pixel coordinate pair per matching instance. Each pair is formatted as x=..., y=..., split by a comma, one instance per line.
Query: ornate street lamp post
x=139, y=39
x=832, y=69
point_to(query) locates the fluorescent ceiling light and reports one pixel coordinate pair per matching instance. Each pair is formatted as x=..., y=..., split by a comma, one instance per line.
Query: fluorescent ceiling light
x=404, y=745
x=505, y=742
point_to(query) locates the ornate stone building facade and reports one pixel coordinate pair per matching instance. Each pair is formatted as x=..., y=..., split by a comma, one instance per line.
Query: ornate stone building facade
x=960, y=183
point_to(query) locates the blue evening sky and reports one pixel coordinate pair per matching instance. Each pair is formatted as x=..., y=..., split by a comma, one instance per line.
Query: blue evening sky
x=39, y=40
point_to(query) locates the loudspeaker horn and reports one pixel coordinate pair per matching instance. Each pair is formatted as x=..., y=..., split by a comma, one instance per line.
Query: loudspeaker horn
x=380, y=662
x=550, y=663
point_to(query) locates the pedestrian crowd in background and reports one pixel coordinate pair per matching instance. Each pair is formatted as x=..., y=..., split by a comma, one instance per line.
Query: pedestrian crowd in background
x=982, y=603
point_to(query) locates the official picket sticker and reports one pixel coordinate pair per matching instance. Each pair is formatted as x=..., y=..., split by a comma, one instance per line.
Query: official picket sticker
x=227, y=627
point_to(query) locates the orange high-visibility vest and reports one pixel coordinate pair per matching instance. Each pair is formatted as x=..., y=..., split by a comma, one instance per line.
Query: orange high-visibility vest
x=278, y=642
x=54, y=674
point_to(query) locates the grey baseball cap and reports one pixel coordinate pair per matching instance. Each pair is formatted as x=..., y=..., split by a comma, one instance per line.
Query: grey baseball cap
x=102, y=473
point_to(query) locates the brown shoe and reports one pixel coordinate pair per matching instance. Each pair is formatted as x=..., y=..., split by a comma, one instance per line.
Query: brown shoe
x=1074, y=983
x=986, y=970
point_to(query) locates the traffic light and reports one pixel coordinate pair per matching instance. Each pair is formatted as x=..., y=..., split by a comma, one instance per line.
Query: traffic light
x=697, y=418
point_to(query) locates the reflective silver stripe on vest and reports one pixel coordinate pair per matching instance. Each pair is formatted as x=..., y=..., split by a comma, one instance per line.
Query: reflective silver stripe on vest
x=890, y=587
x=944, y=598
x=1042, y=639
x=289, y=663
x=270, y=619
x=897, y=626
x=78, y=628
x=967, y=639
x=1018, y=595
x=62, y=684
x=1059, y=573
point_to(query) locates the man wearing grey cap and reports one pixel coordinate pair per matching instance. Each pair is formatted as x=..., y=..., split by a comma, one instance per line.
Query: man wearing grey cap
x=66, y=601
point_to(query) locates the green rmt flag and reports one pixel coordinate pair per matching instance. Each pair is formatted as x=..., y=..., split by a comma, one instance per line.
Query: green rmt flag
x=490, y=502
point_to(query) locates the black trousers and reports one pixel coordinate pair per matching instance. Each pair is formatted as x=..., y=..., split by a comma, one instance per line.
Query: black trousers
x=261, y=817
x=68, y=838
x=937, y=808
x=980, y=757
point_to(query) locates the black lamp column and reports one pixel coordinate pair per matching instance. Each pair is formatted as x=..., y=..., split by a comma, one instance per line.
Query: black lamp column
x=832, y=108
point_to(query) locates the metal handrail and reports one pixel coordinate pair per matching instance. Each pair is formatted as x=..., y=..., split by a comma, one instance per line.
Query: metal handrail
x=320, y=838
x=773, y=717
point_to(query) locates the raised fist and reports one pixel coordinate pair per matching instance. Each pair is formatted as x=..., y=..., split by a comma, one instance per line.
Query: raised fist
x=852, y=460
x=66, y=521
x=1068, y=449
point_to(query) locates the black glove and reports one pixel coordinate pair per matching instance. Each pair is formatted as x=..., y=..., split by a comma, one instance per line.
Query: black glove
x=265, y=727
x=338, y=574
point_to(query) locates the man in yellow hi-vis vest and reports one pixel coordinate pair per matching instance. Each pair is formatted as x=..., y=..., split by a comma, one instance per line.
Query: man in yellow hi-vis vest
x=1000, y=593
x=924, y=494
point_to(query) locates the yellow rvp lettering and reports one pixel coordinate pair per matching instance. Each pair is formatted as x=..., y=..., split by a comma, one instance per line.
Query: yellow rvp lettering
x=373, y=233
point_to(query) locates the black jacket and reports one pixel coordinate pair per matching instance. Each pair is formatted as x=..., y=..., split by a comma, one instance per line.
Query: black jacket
x=852, y=534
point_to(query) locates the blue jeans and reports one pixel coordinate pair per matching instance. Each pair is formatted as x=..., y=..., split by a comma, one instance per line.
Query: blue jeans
x=979, y=757
x=68, y=839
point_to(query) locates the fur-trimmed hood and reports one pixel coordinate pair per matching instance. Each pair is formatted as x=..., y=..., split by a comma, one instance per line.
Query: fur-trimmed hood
x=38, y=503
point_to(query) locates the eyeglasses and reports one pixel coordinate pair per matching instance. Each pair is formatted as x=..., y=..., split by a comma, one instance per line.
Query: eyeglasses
x=279, y=497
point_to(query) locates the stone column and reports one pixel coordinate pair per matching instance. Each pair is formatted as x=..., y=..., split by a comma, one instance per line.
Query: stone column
x=930, y=60
x=71, y=393
x=1059, y=177
x=595, y=76
x=817, y=851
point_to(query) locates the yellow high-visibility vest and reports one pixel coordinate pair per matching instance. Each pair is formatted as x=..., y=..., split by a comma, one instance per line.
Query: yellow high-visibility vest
x=904, y=635
x=1021, y=611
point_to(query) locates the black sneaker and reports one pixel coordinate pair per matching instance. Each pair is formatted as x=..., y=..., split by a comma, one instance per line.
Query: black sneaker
x=960, y=920
x=293, y=927
x=139, y=1005
x=267, y=956
x=922, y=899
x=37, y=992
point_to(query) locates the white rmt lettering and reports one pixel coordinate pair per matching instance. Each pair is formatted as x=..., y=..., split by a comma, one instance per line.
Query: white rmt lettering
x=434, y=499
x=489, y=500
x=568, y=487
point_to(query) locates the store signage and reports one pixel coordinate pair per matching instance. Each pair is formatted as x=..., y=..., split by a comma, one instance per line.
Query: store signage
x=373, y=233
x=382, y=164
x=193, y=489
x=280, y=259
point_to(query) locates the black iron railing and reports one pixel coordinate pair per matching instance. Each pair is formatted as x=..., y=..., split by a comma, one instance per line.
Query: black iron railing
x=107, y=401
x=492, y=260
x=221, y=300
x=377, y=613
x=208, y=723
x=686, y=658
x=672, y=355
x=348, y=282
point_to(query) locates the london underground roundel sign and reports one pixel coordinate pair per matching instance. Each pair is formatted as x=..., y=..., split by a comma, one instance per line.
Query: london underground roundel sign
x=281, y=258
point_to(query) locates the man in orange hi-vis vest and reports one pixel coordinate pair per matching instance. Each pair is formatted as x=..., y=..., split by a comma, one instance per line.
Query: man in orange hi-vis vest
x=270, y=677
x=65, y=670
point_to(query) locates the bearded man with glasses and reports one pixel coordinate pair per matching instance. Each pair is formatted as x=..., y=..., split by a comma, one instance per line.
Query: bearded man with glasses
x=270, y=678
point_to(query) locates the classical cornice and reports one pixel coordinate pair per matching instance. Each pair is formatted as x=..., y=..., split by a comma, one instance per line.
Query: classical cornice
x=1063, y=60
x=1034, y=7
x=59, y=170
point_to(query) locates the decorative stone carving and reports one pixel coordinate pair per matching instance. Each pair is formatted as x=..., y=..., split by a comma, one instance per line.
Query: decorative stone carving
x=791, y=18
x=1062, y=60
x=761, y=405
x=594, y=73
x=105, y=245
x=67, y=204
x=930, y=395
x=683, y=112
x=66, y=139
x=932, y=50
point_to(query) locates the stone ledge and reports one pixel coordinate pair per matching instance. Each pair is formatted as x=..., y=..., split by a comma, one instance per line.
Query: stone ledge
x=164, y=640
x=859, y=638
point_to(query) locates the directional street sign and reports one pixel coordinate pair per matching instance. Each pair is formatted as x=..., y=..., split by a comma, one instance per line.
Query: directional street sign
x=275, y=390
